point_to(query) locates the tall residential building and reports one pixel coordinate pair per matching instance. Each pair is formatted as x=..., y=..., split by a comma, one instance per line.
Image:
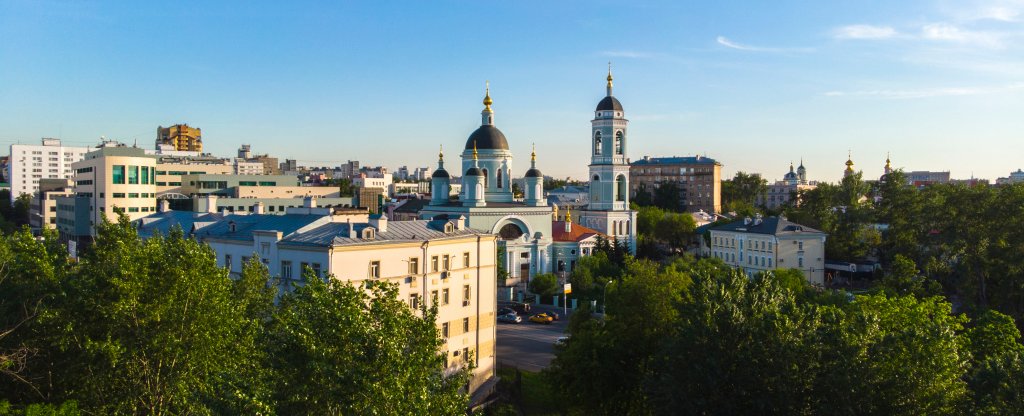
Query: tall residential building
x=182, y=136
x=760, y=244
x=441, y=261
x=699, y=180
x=111, y=179
x=31, y=162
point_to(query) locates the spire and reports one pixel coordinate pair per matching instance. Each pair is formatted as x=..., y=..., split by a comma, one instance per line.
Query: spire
x=609, y=78
x=849, y=163
x=440, y=158
x=568, y=214
x=474, y=152
x=533, y=156
x=487, y=97
x=801, y=161
x=791, y=166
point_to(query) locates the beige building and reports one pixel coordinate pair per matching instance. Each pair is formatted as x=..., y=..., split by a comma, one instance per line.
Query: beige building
x=760, y=244
x=182, y=136
x=699, y=179
x=117, y=178
x=439, y=260
x=170, y=170
x=43, y=208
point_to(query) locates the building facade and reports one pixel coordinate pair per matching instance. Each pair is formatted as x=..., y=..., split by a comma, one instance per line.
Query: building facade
x=785, y=192
x=43, y=208
x=761, y=244
x=699, y=180
x=181, y=137
x=30, y=163
x=438, y=260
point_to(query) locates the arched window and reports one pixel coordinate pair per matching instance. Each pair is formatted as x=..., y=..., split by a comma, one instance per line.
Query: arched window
x=618, y=142
x=597, y=143
x=499, y=179
x=510, y=232
x=486, y=178
x=620, y=188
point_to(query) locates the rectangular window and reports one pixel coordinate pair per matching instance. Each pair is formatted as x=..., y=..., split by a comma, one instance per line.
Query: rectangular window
x=465, y=354
x=161, y=172
x=227, y=261
x=316, y=269
x=465, y=325
x=800, y=262
x=286, y=269
x=465, y=259
x=465, y=295
x=145, y=175
x=414, y=265
x=118, y=174
x=433, y=297
x=414, y=301
x=265, y=250
x=433, y=264
x=447, y=263
x=444, y=330
x=375, y=269
x=133, y=175
x=444, y=296
x=800, y=245
x=133, y=209
x=133, y=195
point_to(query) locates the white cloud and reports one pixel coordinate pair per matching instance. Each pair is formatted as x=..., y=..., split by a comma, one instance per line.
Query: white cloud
x=951, y=33
x=722, y=40
x=928, y=92
x=865, y=32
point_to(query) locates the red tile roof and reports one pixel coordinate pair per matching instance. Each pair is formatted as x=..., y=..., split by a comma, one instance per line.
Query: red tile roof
x=578, y=233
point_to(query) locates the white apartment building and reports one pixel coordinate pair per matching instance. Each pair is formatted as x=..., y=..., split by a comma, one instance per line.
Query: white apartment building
x=31, y=162
x=429, y=260
x=761, y=244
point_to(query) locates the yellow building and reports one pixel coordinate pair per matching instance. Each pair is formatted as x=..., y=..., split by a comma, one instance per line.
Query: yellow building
x=759, y=244
x=182, y=136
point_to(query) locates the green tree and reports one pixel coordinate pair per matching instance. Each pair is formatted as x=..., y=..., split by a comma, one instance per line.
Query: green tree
x=676, y=230
x=342, y=349
x=667, y=196
x=903, y=278
x=743, y=190
x=545, y=284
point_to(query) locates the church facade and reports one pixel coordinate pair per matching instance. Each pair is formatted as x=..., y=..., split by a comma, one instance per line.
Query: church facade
x=524, y=226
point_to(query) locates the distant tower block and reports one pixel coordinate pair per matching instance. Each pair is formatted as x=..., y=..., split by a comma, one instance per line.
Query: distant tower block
x=182, y=136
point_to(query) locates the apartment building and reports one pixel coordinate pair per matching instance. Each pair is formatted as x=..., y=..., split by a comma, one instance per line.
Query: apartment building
x=429, y=260
x=43, y=207
x=760, y=244
x=171, y=169
x=181, y=137
x=699, y=180
x=29, y=163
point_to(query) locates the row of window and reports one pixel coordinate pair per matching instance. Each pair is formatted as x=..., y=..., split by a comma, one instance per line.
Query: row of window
x=443, y=299
x=437, y=263
x=136, y=175
x=130, y=195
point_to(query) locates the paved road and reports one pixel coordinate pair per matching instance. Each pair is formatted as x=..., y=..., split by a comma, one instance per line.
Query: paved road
x=529, y=346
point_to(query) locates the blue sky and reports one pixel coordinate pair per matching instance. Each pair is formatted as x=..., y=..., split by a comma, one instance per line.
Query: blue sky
x=940, y=84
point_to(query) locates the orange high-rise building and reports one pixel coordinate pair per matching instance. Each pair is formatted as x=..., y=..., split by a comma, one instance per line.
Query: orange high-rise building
x=181, y=136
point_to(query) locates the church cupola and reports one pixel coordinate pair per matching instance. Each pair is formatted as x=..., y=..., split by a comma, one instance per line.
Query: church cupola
x=534, y=183
x=473, y=184
x=849, y=165
x=801, y=172
x=440, y=182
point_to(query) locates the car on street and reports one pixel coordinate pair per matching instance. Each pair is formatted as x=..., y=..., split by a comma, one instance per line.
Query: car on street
x=510, y=318
x=561, y=340
x=506, y=311
x=542, y=318
x=520, y=307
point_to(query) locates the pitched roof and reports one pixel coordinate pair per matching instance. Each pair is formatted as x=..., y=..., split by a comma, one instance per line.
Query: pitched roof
x=675, y=160
x=772, y=226
x=578, y=233
x=162, y=222
x=336, y=233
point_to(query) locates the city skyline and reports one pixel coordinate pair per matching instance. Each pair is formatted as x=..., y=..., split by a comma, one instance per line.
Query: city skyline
x=939, y=85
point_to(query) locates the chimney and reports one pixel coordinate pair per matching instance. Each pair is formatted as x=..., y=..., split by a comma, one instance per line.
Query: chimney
x=460, y=222
x=257, y=208
x=165, y=205
x=211, y=204
x=351, y=228
x=380, y=222
x=309, y=202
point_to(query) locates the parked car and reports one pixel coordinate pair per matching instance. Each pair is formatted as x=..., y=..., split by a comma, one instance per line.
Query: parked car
x=506, y=311
x=520, y=307
x=554, y=315
x=541, y=318
x=510, y=318
x=561, y=340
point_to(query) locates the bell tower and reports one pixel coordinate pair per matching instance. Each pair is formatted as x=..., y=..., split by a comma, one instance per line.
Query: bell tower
x=609, y=167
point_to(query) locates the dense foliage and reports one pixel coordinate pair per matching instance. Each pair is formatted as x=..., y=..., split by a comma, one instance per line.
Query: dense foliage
x=156, y=327
x=696, y=337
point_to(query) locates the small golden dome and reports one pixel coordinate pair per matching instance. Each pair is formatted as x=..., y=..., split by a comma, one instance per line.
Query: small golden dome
x=487, y=97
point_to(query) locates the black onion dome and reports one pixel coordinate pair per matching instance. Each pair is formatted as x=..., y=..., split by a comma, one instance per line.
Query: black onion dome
x=474, y=171
x=440, y=173
x=534, y=173
x=487, y=137
x=609, y=103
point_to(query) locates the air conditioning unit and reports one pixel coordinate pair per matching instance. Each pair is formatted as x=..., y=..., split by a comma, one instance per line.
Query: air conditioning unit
x=444, y=275
x=465, y=303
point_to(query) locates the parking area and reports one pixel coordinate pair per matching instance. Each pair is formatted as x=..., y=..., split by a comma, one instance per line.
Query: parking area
x=529, y=346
